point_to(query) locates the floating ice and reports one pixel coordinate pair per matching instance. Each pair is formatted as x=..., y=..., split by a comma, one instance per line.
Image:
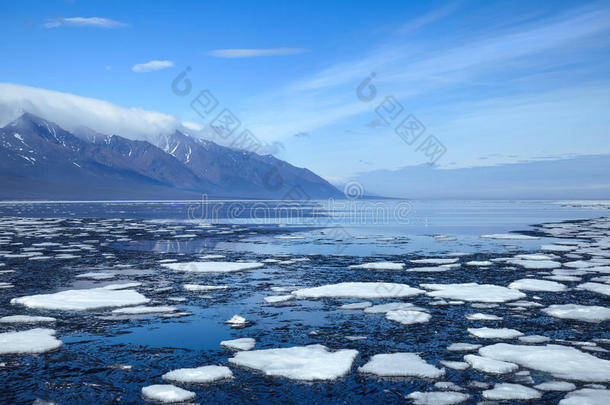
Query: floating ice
x=82, y=300
x=490, y=366
x=400, y=365
x=506, y=391
x=509, y=236
x=434, y=269
x=482, y=263
x=391, y=306
x=167, y=393
x=556, y=386
x=535, y=264
x=473, y=292
x=200, y=287
x=142, y=310
x=495, y=333
x=278, y=298
x=379, y=266
x=588, y=313
x=236, y=320
x=306, y=363
x=483, y=317
x=33, y=341
x=463, y=347
x=198, y=375
x=561, y=361
x=557, y=248
x=595, y=287
x=435, y=261
x=213, y=267
x=587, y=396
x=359, y=290
x=356, y=305
x=530, y=284
x=26, y=319
x=534, y=339
x=455, y=365
x=407, y=317
x=437, y=398
x=97, y=276
x=239, y=344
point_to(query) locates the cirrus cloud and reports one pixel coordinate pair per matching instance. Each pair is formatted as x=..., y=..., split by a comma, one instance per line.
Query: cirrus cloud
x=84, y=22
x=152, y=66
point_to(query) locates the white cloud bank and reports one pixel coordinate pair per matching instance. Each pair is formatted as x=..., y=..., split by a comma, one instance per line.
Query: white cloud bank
x=73, y=112
x=152, y=66
x=251, y=53
x=84, y=22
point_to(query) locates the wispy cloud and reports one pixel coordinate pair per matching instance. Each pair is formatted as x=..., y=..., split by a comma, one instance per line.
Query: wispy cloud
x=83, y=22
x=252, y=53
x=152, y=66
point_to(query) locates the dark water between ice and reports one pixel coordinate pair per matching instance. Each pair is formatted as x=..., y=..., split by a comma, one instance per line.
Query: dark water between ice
x=129, y=239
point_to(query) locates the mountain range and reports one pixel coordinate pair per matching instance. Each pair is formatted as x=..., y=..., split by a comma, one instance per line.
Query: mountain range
x=40, y=160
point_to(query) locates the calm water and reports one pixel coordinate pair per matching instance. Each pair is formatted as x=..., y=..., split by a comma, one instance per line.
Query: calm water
x=129, y=239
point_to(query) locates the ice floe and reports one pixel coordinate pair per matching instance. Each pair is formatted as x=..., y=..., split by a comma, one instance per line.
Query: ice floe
x=561, y=361
x=407, y=317
x=587, y=396
x=213, y=267
x=495, y=333
x=400, y=365
x=201, y=287
x=435, y=261
x=490, y=366
x=507, y=391
x=198, y=375
x=82, y=300
x=356, y=305
x=463, y=347
x=595, y=287
x=455, y=365
x=236, y=320
x=473, y=292
x=239, y=344
x=509, y=236
x=274, y=299
x=588, y=313
x=97, y=276
x=305, y=363
x=379, y=266
x=535, y=264
x=437, y=398
x=33, y=341
x=359, y=290
x=167, y=393
x=530, y=284
x=26, y=319
x=483, y=317
x=556, y=386
x=143, y=310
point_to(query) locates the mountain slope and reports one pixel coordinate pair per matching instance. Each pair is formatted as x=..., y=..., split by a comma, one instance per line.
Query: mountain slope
x=40, y=160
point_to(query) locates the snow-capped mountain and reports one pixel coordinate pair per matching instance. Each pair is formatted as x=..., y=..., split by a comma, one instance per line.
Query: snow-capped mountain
x=40, y=160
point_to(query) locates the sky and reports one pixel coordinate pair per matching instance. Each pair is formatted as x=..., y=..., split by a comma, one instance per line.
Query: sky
x=326, y=84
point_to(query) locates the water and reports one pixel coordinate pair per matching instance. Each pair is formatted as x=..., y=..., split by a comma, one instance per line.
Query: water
x=129, y=239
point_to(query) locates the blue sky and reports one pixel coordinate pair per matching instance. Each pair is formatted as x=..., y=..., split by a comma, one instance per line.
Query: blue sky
x=495, y=83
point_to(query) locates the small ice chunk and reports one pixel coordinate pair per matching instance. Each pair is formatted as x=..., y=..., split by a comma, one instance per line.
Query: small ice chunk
x=391, y=306
x=97, y=276
x=587, y=313
x=400, y=365
x=556, y=386
x=201, y=287
x=490, y=366
x=473, y=292
x=530, y=284
x=213, y=267
x=33, y=341
x=305, y=363
x=480, y=263
x=483, y=317
x=495, y=333
x=26, y=319
x=359, y=290
x=198, y=375
x=435, y=261
x=379, y=266
x=82, y=300
x=534, y=339
x=143, y=310
x=561, y=361
x=557, y=248
x=278, y=298
x=167, y=394
x=506, y=391
x=455, y=365
x=407, y=317
x=509, y=236
x=236, y=320
x=535, y=264
x=437, y=398
x=595, y=287
x=213, y=257
x=587, y=396
x=356, y=305
x=239, y=344
x=463, y=347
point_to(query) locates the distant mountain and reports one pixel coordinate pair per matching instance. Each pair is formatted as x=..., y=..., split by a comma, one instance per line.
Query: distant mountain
x=40, y=160
x=583, y=177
